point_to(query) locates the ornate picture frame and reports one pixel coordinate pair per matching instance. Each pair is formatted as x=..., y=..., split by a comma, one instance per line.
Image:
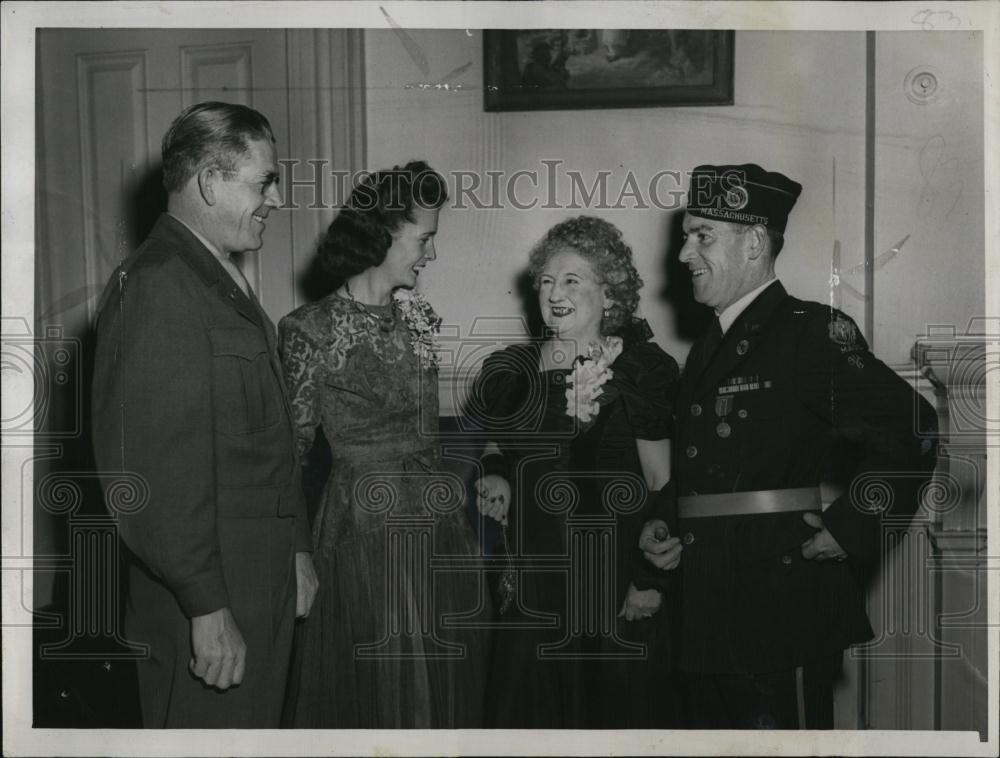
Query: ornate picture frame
x=566, y=69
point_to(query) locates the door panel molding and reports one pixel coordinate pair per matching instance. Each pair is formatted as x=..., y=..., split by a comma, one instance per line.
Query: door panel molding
x=222, y=71
x=217, y=72
x=113, y=125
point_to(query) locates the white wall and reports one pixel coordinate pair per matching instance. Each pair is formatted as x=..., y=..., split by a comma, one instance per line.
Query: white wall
x=929, y=185
x=799, y=108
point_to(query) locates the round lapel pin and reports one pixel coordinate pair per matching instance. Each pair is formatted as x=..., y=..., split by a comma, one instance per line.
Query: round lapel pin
x=742, y=347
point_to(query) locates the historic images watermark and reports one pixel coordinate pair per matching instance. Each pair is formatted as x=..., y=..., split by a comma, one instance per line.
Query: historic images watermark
x=552, y=185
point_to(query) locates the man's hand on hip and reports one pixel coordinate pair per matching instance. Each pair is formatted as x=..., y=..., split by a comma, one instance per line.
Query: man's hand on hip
x=306, y=584
x=821, y=546
x=219, y=651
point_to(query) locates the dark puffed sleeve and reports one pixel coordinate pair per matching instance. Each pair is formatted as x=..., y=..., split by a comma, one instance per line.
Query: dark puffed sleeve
x=647, y=378
x=499, y=397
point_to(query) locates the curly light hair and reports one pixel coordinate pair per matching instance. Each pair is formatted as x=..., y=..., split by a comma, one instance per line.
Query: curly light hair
x=600, y=243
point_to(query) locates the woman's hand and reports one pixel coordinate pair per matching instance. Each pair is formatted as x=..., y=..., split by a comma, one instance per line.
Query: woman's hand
x=658, y=547
x=640, y=604
x=493, y=497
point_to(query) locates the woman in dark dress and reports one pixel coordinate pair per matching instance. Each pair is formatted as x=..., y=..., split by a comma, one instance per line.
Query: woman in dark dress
x=579, y=428
x=383, y=646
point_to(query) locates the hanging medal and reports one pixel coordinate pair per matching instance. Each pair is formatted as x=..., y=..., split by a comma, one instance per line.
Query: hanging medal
x=723, y=406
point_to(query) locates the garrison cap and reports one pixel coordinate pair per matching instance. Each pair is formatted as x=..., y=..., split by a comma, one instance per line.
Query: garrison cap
x=742, y=194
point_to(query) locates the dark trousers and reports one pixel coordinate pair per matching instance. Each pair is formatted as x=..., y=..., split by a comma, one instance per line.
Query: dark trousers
x=763, y=701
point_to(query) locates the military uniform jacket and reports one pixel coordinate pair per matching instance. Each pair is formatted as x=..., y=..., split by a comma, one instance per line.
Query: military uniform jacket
x=188, y=394
x=791, y=397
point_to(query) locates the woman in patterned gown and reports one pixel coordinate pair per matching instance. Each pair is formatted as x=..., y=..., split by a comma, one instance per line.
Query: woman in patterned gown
x=383, y=646
x=580, y=428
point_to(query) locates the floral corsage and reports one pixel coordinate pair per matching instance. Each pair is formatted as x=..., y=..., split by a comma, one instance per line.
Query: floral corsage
x=424, y=325
x=586, y=381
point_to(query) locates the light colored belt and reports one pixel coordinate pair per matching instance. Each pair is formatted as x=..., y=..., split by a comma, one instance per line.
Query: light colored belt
x=750, y=503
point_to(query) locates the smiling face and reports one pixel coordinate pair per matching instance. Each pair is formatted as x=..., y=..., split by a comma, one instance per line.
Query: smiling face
x=571, y=298
x=412, y=248
x=716, y=254
x=244, y=197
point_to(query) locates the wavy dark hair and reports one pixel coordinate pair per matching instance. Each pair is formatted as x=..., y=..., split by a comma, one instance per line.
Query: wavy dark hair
x=209, y=134
x=600, y=243
x=361, y=234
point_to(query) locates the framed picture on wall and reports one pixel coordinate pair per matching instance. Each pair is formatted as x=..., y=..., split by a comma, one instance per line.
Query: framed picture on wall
x=559, y=69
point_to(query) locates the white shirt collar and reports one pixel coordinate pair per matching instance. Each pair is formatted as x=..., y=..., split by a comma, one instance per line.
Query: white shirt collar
x=730, y=314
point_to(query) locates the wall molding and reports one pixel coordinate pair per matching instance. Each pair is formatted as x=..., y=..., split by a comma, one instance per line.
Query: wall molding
x=960, y=542
x=452, y=391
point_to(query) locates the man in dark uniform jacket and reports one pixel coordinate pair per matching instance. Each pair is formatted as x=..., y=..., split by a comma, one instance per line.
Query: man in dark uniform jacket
x=188, y=394
x=779, y=396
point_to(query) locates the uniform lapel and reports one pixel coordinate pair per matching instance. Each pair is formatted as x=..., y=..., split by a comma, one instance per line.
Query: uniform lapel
x=244, y=306
x=740, y=340
x=202, y=262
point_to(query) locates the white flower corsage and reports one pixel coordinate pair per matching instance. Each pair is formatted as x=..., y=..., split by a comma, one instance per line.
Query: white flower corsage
x=585, y=383
x=424, y=325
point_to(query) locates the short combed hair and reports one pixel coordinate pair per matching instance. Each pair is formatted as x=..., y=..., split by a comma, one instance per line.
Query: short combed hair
x=600, y=243
x=361, y=234
x=209, y=134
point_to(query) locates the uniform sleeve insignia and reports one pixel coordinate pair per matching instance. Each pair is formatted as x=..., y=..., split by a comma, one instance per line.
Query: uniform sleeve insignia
x=844, y=333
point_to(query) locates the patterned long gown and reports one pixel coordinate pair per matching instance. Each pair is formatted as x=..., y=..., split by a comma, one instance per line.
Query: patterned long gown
x=392, y=640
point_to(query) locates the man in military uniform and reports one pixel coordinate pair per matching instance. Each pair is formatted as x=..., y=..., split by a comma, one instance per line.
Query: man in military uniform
x=188, y=395
x=779, y=396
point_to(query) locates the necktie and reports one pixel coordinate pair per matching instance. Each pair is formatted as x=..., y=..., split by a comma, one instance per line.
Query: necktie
x=713, y=338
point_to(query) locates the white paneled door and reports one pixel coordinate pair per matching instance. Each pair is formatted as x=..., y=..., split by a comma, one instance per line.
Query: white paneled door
x=104, y=101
